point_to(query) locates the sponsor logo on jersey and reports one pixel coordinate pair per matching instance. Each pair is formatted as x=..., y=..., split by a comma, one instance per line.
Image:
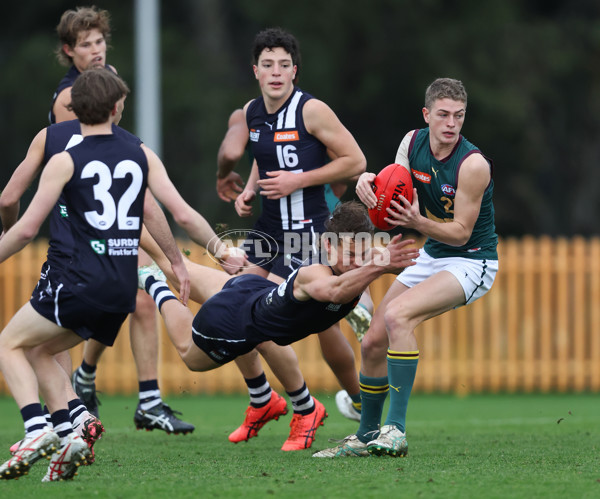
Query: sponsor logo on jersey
x=127, y=246
x=333, y=307
x=63, y=211
x=448, y=189
x=99, y=246
x=421, y=177
x=254, y=135
x=286, y=136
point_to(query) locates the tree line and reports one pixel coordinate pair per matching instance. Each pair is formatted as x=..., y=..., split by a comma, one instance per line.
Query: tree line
x=530, y=68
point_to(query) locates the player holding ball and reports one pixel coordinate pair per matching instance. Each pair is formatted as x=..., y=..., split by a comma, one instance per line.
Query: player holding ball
x=452, y=207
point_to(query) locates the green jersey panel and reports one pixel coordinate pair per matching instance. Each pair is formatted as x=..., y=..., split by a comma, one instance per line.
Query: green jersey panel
x=436, y=183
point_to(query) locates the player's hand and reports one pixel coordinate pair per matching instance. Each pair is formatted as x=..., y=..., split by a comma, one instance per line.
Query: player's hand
x=243, y=203
x=228, y=188
x=397, y=255
x=365, y=191
x=233, y=262
x=183, y=278
x=404, y=213
x=279, y=184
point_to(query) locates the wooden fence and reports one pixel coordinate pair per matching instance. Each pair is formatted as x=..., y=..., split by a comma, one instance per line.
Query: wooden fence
x=538, y=329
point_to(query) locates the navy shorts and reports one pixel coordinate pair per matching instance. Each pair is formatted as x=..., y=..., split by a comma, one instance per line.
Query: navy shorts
x=219, y=328
x=53, y=300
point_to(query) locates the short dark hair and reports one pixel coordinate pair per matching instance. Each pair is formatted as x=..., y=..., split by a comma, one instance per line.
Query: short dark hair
x=276, y=37
x=73, y=22
x=350, y=217
x=445, y=88
x=95, y=93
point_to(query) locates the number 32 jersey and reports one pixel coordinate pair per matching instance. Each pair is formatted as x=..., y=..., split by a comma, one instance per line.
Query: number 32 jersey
x=105, y=202
x=280, y=141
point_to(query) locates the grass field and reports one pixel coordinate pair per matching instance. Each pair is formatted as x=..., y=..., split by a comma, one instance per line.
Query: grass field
x=480, y=446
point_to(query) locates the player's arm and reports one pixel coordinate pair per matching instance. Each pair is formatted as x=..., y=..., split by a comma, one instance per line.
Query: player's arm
x=243, y=203
x=229, y=183
x=349, y=161
x=185, y=216
x=158, y=227
x=473, y=179
x=20, y=181
x=61, y=106
x=317, y=282
x=56, y=174
x=364, y=188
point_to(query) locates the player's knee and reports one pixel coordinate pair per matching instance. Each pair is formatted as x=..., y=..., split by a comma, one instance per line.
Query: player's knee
x=375, y=344
x=144, y=305
x=394, y=316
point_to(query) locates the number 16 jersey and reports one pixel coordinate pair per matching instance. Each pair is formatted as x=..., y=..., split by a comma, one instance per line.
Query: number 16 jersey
x=280, y=141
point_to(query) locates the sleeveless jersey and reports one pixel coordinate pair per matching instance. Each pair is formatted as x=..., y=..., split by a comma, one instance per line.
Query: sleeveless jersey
x=436, y=183
x=60, y=137
x=66, y=82
x=105, y=202
x=278, y=316
x=280, y=141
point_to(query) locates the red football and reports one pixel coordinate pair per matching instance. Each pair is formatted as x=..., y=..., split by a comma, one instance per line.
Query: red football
x=391, y=182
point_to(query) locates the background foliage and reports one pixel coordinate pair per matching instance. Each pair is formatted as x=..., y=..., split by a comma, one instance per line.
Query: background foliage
x=530, y=67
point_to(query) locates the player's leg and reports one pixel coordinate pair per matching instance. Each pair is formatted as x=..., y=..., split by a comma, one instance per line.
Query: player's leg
x=458, y=282
x=402, y=314
x=373, y=384
x=28, y=329
x=177, y=317
x=151, y=412
x=84, y=377
x=205, y=281
x=85, y=424
x=339, y=355
x=265, y=404
x=309, y=413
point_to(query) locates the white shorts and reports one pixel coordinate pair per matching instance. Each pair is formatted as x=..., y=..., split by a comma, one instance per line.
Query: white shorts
x=475, y=276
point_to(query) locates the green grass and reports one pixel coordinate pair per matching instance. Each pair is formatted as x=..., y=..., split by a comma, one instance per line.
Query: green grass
x=492, y=446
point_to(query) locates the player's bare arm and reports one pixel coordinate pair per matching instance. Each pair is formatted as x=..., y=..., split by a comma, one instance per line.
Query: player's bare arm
x=243, y=203
x=157, y=225
x=322, y=123
x=20, y=181
x=473, y=179
x=61, y=106
x=55, y=175
x=231, y=150
x=185, y=216
x=317, y=281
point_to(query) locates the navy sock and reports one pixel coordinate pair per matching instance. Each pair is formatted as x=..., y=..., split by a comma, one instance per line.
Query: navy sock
x=259, y=390
x=302, y=401
x=149, y=394
x=33, y=418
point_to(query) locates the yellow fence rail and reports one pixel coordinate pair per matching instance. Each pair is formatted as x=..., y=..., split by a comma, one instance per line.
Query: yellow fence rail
x=538, y=329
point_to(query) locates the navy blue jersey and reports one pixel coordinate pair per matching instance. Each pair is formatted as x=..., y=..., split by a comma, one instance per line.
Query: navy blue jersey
x=251, y=309
x=66, y=82
x=284, y=319
x=60, y=137
x=105, y=203
x=280, y=141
